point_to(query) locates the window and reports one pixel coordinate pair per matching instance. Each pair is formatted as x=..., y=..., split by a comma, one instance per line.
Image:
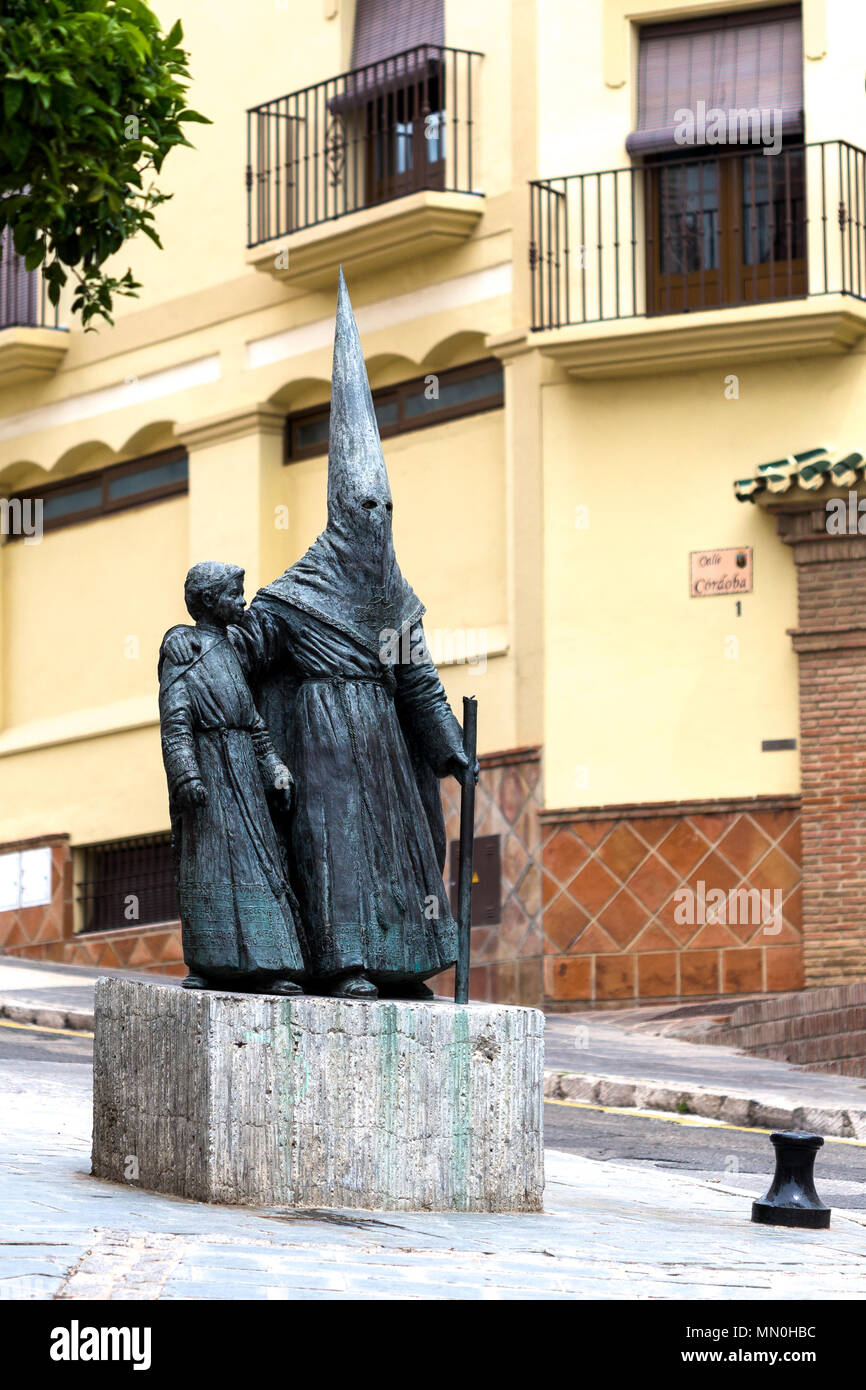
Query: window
x=402, y=97
x=726, y=230
x=126, y=884
x=720, y=126
x=108, y=490
x=425, y=400
x=405, y=145
x=25, y=878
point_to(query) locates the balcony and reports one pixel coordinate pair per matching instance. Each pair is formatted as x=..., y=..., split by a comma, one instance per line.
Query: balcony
x=683, y=263
x=364, y=167
x=32, y=344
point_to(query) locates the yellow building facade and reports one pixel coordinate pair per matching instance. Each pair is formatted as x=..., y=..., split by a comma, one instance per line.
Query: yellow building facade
x=582, y=328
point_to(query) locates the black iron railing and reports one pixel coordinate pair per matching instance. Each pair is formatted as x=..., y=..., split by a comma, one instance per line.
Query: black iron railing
x=127, y=883
x=718, y=229
x=364, y=137
x=24, y=299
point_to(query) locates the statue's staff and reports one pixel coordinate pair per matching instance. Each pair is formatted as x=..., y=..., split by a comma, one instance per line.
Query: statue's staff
x=467, y=844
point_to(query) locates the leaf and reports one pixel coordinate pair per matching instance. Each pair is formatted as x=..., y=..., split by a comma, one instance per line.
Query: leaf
x=13, y=95
x=88, y=63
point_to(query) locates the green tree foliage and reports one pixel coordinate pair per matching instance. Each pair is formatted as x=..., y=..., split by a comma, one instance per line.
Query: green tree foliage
x=93, y=100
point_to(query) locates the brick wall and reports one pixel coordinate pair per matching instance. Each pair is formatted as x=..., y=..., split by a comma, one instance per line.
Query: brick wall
x=610, y=885
x=831, y=643
x=820, y=1029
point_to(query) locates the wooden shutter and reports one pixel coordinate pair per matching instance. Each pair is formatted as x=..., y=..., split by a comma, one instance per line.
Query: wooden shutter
x=386, y=27
x=19, y=288
x=747, y=61
x=384, y=31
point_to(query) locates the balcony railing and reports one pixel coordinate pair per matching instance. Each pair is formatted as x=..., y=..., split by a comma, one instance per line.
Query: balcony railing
x=711, y=231
x=361, y=138
x=24, y=299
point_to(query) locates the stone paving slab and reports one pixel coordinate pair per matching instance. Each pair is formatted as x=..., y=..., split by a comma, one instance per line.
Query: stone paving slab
x=607, y=1232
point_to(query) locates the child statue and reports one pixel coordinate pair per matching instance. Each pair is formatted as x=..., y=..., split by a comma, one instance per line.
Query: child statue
x=238, y=913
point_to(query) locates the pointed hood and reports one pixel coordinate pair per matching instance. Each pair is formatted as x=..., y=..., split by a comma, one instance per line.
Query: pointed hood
x=349, y=577
x=356, y=465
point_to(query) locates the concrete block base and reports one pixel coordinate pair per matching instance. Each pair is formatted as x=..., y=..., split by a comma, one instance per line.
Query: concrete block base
x=255, y=1100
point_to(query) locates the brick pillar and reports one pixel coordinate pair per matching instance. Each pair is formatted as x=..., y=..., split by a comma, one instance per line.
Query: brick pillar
x=831, y=643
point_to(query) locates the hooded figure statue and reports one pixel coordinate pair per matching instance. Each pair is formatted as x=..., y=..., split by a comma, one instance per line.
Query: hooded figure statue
x=335, y=655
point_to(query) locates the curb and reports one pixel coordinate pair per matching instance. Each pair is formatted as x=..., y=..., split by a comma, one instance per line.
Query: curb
x=44, y=1016
x=731, y=1108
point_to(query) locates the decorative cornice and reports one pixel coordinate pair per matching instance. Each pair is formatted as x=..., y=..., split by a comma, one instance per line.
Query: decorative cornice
x=507, y=346
x=47, y=841
x=648, y=810
x=370, y=238
x=234, y=424
x=510, y=757
x=827, y=639
x=26, y=354
x=803, y=526
x=678, y=342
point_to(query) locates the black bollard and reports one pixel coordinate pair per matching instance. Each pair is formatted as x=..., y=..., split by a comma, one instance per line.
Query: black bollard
x=792, y=1199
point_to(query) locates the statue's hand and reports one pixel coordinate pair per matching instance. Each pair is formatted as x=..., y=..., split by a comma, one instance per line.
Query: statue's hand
x=459, y=767
x=192, y=794
x=282, y=792
x=182, y=646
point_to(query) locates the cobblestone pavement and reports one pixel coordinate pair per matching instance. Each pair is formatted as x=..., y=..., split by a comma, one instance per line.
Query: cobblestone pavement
x=608, y=1232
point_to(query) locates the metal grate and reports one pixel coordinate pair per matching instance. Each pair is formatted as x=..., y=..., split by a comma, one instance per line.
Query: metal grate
x=128, y=883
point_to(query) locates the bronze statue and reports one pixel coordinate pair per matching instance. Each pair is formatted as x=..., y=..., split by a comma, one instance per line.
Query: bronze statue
x=237, y=909
x=334, y=653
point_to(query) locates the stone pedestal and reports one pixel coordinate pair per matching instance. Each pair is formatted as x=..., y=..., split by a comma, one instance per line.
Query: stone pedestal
x=309, y=1102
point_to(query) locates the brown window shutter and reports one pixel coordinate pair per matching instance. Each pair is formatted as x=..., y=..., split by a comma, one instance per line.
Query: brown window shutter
x=395, y=43
x=386, y=27
x=747, y=61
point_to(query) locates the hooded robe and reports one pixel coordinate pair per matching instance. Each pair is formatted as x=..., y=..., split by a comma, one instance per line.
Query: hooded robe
x=335, y=654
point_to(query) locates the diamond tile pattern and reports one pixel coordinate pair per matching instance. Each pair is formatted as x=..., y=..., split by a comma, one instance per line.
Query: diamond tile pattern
x=507, y=959
x=588, y=907
x=614, y=926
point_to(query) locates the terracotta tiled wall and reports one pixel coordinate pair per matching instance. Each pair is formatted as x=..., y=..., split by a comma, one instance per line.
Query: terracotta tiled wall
x=46, y=932
x=155, y=950
x=507, y=959
x=39, y=932
x=609, y=879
